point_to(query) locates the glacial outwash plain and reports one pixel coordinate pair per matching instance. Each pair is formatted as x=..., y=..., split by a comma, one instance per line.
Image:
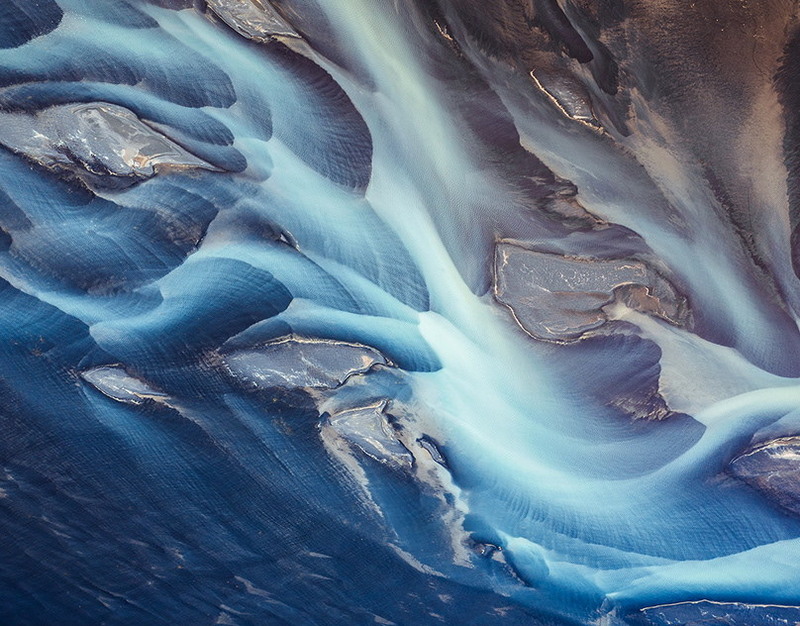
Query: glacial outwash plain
x=400, y=312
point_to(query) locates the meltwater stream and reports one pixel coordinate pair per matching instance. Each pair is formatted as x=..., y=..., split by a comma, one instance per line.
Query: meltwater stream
x=399, y=312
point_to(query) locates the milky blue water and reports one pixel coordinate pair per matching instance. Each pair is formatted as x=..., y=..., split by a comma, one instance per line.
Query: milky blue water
x=433, y=462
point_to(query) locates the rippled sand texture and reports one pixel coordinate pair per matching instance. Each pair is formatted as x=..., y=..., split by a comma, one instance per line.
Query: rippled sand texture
x=414, y=312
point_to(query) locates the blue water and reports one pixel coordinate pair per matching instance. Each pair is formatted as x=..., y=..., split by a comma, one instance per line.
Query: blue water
x=356, y=181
